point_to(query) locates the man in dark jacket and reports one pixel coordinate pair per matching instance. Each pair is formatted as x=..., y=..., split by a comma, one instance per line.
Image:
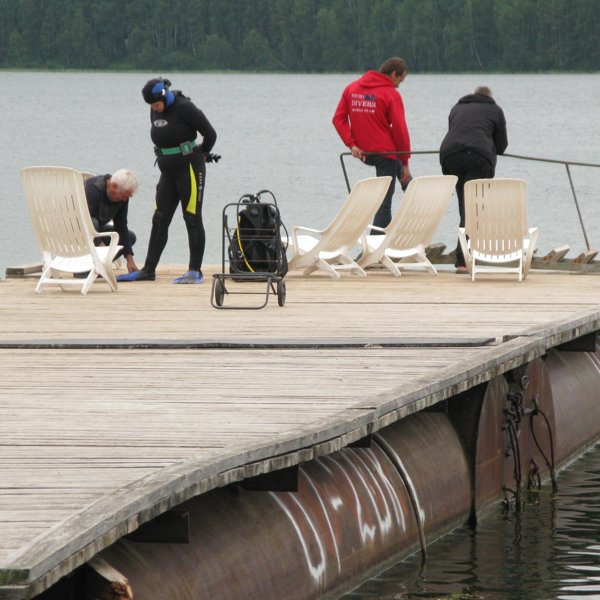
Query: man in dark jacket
x=476, y=135
x=108, y=202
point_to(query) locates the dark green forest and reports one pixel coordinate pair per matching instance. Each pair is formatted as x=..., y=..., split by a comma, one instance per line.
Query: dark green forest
x=301, y=35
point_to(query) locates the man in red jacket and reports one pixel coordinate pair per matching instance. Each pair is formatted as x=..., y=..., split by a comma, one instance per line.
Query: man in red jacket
x=370, y=119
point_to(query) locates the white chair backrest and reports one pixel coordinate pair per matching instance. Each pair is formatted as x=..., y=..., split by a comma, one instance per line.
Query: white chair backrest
x=496, y=215
x=356, y=213
x=420, y=212
x=58, y=209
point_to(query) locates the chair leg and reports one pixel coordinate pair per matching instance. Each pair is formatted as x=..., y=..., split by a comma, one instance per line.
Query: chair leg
x=469, y=260
x=521, y=268
x=422, y=259
x=45, y=273
x=89, y=280
x=389, y=264
x=329, y=269
x=107, y=273
x=352, y=264
x=530, y=250
x=431, y=269
x=111, y=280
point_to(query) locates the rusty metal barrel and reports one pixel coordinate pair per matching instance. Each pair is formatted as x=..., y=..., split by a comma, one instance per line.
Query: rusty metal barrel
x=575, y=381
x=515, y=436
x=353, y=512
x=356, y=510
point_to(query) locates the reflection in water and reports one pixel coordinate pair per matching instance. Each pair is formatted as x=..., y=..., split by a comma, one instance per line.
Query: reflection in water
x=548, y=550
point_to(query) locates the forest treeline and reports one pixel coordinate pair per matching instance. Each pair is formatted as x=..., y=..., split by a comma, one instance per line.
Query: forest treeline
x=301, y=35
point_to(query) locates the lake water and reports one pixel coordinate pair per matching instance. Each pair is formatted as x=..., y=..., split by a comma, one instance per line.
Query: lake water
x=550, y=550
x=275, y=133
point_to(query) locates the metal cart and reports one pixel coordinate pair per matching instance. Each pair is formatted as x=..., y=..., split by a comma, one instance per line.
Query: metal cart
x=253, y=250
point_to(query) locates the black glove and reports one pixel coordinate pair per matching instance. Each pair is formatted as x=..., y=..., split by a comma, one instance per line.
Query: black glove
x=209, y=157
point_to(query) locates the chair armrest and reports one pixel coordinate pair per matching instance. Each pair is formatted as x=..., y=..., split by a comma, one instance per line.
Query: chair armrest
x=109, y=234
x=296, y=229
x=114, y=238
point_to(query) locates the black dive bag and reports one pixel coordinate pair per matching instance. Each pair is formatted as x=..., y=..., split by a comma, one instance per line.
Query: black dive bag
x=255, y=244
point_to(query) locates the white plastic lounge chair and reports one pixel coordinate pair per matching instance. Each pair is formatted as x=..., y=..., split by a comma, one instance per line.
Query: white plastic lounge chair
x=63, y=227
x=329, y=248
x=494, y=238
x=412, y=227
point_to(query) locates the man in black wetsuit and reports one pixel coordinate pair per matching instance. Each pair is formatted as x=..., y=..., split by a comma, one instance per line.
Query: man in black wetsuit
x=182, y=163
x=108, y=202
x=476, y=135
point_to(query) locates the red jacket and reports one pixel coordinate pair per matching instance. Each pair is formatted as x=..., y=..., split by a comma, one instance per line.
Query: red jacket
x=370, y=115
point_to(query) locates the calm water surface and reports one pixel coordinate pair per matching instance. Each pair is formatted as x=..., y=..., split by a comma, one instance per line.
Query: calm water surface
x=550, y=550
x=275, y=132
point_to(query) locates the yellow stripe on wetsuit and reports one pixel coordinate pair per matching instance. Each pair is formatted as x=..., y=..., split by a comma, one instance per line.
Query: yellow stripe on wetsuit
x=191, y=206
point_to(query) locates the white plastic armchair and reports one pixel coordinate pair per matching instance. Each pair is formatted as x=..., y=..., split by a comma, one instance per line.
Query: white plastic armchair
x=329, y=249
x=64, y=231
x=496, y=237
x=403, y=242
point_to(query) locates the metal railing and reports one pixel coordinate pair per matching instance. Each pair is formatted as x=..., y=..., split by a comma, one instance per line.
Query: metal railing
x=567, y=163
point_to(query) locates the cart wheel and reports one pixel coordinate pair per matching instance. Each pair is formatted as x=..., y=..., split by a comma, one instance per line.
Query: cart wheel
x=281, y=292
x=219, y=292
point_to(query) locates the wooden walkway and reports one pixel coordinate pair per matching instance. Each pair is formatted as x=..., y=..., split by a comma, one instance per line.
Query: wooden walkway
x=116, y=407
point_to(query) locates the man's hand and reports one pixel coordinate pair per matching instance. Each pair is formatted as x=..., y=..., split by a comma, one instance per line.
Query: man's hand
x=131, y=266
x=357, y=152
x=405, y=176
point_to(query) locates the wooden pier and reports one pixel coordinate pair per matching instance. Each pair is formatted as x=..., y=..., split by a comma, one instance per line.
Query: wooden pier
x=115, y=407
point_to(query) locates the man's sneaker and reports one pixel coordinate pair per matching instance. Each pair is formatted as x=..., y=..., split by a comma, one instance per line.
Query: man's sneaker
x=141, y=275
x=190, y=277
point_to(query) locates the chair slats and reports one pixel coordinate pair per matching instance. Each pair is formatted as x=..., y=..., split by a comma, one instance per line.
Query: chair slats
x=329, y=248
x=412, y=227
x=64, y=229
x=496, y=237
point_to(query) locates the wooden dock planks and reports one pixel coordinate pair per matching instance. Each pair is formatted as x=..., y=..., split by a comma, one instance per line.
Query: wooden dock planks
x=95, y=440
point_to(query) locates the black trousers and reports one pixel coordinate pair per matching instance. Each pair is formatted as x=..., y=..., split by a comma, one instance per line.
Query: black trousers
x=393, y=168
x=466, y=165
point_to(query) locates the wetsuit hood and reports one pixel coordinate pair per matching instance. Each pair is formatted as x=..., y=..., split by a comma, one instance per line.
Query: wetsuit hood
x=157, y=90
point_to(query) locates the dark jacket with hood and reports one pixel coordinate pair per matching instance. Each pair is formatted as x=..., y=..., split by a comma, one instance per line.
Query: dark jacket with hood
x=476, y=123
